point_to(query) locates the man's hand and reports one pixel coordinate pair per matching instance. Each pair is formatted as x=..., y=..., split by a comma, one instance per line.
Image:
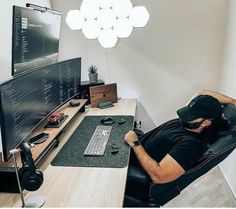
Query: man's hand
x=131, y=137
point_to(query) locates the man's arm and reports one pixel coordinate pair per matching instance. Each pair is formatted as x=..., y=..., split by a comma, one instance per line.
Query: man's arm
x=223, y=99
x=165, y=171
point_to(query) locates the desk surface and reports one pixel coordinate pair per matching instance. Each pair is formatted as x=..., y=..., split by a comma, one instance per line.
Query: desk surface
x=81, y=186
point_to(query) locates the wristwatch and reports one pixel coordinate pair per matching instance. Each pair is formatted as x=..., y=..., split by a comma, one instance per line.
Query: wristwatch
x=135, y=143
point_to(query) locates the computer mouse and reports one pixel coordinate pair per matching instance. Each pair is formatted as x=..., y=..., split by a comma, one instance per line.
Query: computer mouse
x=107, y=120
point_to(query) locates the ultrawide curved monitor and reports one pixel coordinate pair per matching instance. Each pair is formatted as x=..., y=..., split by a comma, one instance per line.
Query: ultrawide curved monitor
x=28, y=99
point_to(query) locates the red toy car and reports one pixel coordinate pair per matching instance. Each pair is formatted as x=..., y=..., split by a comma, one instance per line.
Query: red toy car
x=55, y=118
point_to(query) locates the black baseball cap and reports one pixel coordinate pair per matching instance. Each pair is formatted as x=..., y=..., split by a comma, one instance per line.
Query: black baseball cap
x=203, y=106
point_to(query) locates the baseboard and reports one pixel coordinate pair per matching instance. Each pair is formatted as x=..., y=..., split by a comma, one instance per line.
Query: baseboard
x=227, y=187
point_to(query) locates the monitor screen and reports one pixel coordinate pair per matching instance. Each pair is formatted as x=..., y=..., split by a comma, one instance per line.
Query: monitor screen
x=28, y=99
x=35, y=37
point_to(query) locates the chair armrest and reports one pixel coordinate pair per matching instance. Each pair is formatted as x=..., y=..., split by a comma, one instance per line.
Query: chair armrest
x=137, y=175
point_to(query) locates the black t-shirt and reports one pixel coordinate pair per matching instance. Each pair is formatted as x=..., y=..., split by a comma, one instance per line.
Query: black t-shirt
x=171, y=138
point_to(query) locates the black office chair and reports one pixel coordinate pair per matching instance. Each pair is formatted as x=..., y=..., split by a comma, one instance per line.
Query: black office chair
x=156, y=195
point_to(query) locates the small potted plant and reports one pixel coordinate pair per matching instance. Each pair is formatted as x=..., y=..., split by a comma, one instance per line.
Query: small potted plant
x=93, y=75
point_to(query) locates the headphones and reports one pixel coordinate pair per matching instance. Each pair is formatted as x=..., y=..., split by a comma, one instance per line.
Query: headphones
x=30, y=178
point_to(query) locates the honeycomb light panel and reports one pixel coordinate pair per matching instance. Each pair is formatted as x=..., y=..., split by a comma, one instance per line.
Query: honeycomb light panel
x=139, y=16
x=105, y=4
x=91, y=29
x=75, y=20
x=107, y=38
x=123, y=27
x=106, y=18
x=90, y=9
x=122, y=8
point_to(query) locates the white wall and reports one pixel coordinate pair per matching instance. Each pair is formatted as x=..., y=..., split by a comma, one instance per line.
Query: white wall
x=228, y=85
x=180, y=50
x=6, y=34
x=163, y=64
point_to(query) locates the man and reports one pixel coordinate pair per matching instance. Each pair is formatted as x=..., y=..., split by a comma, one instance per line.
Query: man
x=166, y=152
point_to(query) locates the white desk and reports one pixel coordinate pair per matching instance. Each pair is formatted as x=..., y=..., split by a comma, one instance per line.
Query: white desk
x=81, y=186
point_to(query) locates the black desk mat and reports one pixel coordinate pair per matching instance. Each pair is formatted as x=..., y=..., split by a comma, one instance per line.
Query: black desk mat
x=72, y=153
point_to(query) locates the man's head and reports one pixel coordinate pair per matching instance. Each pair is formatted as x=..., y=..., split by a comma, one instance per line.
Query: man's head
x=200, y=112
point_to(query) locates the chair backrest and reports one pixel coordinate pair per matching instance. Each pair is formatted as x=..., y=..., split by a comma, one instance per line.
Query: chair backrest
x=219, y=150
x=215, y=153
x=227, y=138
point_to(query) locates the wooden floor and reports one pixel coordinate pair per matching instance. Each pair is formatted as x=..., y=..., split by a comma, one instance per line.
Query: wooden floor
x=207, y=191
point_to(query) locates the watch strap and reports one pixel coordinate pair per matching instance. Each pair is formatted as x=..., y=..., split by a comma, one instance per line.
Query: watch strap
x=135, y=143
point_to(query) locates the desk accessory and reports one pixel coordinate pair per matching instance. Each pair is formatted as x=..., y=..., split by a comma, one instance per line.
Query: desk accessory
x=114, y=149
x=93, y=75
x=34, y=201
x=121, y=121
x=107, y=120
x=83, y=90
x=30, y=178
x=55, y=118
x=74, y=103
x=48, y=125
x=8, y=181
x=105, y=104
x=71, y=156
x=38, y=139
x=98, y=141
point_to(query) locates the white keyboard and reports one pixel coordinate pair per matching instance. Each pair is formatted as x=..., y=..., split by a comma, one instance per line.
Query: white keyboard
x=98, y=142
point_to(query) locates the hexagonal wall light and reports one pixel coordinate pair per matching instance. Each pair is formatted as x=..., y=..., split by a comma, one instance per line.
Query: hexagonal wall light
x=139, y=16
x=91, y=29
x=107, y=38
x=123, y=27
x=107, y=20
x=75, y=19
x=122, y=8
